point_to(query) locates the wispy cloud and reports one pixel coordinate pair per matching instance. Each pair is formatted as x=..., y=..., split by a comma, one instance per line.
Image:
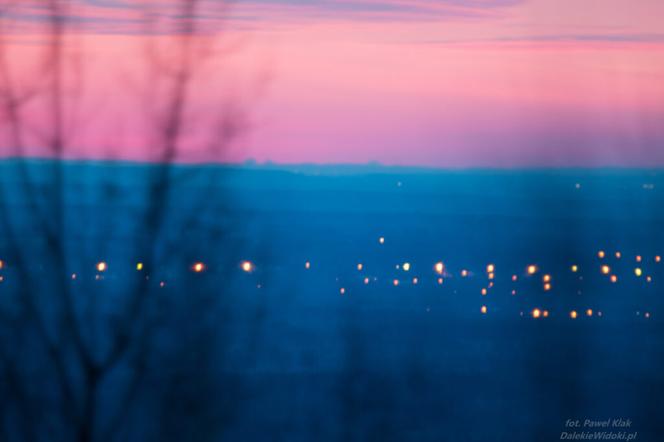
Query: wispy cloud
x=393, y=6
x=112, y=16
x=123, y=16
x=373, y=10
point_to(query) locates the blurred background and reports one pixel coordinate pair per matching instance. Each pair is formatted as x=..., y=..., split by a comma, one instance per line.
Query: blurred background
x=353, y=220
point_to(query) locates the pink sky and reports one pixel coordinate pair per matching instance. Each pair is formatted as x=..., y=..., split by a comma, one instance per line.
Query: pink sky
x=457, y=83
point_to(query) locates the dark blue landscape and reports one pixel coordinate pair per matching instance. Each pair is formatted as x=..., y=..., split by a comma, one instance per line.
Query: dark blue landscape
x=255, y=344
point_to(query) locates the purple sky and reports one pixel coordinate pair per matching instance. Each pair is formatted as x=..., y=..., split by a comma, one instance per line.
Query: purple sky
x=456, y=83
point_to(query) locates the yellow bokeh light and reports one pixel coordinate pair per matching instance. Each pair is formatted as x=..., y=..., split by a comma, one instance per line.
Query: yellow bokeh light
x=606, y=269
x=2, y=264
x=545, y=313
x=614, y=279
x=464, y=273
x=491, y=275
x=139, y=266
x=101, y=266
x=536, y=313
x=484, y=292
x=575, y=268
x=198, y=267
x=360, y=266
x=546, y=278
x=381, y=240
x=573, y=314
x=589, y=312
x=532, y=269
x=601, y=254
x=247, y=266
x=547, y=287
x=490, y=268
x=406, y=266
x=658, y=258
x=638, y=272
x=439, y=268
x=483, y=309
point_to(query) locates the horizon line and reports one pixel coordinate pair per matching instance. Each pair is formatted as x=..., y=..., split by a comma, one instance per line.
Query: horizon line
x=289, y=166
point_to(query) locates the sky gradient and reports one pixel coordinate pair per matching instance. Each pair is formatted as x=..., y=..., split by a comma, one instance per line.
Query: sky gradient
x=457, y=83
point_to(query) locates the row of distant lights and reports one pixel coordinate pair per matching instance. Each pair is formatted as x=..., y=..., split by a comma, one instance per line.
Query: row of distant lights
x=197, y=267
x=540, y=313
x=439, y=268
x=102, y=267
x=248, y=267
x=531, y=270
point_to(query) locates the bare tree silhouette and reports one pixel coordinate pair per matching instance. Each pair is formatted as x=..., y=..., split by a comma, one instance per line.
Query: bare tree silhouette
x=96, y=338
